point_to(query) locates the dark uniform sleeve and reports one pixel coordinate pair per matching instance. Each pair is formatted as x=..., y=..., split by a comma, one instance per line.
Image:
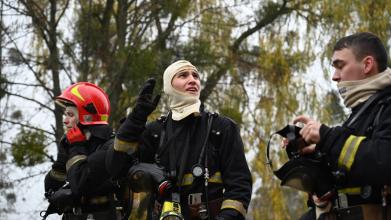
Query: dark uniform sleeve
x=137, y=147
x=55, y=178
x=236, y=175
x=86, y=173
x=366, y=160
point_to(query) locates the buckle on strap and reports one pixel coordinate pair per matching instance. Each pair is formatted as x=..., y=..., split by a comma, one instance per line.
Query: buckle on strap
x=194, y=199
x=342, y=199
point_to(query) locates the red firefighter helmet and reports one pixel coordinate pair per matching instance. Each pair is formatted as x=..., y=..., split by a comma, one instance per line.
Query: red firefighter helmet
x=91, y=102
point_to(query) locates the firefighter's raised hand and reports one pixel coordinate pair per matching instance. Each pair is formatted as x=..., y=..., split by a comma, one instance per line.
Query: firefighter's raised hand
x=146, y=103
x=132, y=127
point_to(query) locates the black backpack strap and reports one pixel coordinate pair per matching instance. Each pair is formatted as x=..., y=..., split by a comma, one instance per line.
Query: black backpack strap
x=363, y=108
x=379, y=100
x=383, y=104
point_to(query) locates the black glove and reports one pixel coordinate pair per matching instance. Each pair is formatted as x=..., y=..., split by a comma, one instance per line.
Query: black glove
x=56, y=176
x=229, y=214
x=62, y=200
x=62, y=156
x=145, y=177
x=134, y=124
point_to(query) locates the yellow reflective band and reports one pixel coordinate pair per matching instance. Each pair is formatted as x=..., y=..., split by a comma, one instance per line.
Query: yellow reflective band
x=57, y=175
x=349, y=150
x=216, y=178
x=75, y=91
x=189, y=178
x=124, y=146
x=234, y=204
x=98, y=200
x=351, y=191
x=74, y=160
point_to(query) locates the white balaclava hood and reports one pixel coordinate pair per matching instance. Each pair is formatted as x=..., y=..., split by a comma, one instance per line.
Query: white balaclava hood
x=181, y=104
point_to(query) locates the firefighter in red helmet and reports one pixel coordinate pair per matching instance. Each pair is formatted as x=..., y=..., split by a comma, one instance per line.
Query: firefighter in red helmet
x=92, y=103
x=78, y=184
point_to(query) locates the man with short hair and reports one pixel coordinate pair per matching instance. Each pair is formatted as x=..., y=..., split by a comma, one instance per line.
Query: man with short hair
x=359, y=151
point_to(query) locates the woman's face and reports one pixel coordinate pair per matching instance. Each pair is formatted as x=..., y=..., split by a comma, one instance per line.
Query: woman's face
x=71, y=117
x=187, y=81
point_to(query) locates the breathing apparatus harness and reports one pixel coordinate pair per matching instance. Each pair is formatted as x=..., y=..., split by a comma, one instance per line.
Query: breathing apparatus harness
x=171, y=205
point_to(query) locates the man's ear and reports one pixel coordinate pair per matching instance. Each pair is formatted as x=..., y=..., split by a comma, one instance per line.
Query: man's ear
x=370, y=65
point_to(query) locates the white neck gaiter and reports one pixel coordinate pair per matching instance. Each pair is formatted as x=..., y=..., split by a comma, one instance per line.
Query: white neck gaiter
x=358, y=91
x=181, y=104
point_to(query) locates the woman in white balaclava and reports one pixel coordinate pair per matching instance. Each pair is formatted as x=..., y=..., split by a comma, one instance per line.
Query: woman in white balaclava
x=181, y=83
x=201, y=152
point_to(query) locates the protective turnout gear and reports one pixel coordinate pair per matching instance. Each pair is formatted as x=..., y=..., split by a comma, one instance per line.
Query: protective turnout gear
x=229, y=183
x=358, y=151
x=91, y=101
x=56, y=177
x=181, y=104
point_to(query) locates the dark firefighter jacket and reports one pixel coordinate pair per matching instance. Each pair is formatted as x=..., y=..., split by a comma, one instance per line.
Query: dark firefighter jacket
x=85, y=170
x=362, y=150
x=230, y=178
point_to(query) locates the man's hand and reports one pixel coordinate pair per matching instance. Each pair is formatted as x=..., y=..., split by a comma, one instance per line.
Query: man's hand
x=310, y=131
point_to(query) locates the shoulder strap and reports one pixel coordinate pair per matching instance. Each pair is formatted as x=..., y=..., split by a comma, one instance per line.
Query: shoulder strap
x=208, y=128
x=363, y=108
x=378, y=114
x=379, y=95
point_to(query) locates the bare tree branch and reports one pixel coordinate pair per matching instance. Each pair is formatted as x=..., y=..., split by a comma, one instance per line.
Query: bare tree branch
x=27, y=126
x=62, y=12
x=30, y=99
x=27, y=63
x=28, y=177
